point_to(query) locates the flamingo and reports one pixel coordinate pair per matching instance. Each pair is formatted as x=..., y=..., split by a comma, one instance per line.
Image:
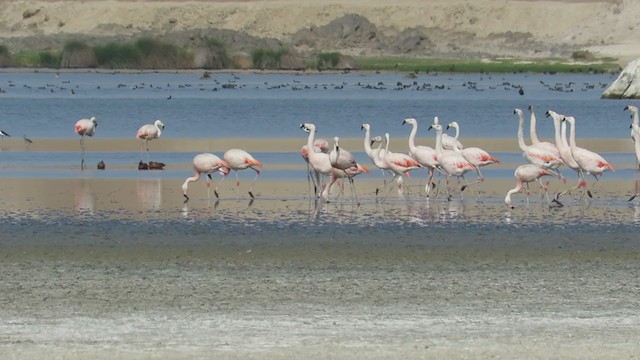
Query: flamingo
x=341, y=174
x=474, y=155
x=319, y=145
x=149, y=132
x=533, y=133
x=205, y=163
x=373, y=154
x=589, y=161
x=397, y=163
x=85, y=127
x=451, y=163
x=238, y=159
x=4, y=133
x=340, y=158
x=536, y=154
x=425, y=155
x=560, y=128
x=524, y=175
x=448, y=142
x=319, y=161
x=634, y=112
x=636, y=132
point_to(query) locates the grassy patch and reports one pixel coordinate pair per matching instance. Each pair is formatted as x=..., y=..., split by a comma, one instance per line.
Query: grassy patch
x=475, y=66
x=267, y=58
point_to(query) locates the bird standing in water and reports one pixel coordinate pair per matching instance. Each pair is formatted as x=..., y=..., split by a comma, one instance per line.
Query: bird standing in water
x=85, y=127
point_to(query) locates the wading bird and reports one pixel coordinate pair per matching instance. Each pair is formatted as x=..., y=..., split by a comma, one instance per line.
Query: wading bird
x=208, y=164
x=85, y=127
x=149, y=132
x=237, y=160
x=524, y=175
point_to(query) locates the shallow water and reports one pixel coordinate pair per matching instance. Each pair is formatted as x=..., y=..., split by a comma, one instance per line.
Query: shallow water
x=96, y=263
x=41, y=105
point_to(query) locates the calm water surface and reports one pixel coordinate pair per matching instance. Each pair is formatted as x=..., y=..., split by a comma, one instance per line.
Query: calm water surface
x=272, y=105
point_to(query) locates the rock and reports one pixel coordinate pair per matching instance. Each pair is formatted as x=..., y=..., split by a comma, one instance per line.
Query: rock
x=627, y=85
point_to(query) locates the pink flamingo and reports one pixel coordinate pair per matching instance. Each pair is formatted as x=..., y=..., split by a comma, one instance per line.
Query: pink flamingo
x=425, y=155
x=374, y=154
x=589, y=161
x=341, y=174
x=319, y=161
x=560, y=128
x=149, y=132
x=205, y=163
x=533, y=133
x=237, y=160
x=448, y=142
x=474, y=155
x=319, y=145
x=341, y=158
x=451, y=163
x=537, y=154
x=399, y=164
x=85, y=127
x=524, y=175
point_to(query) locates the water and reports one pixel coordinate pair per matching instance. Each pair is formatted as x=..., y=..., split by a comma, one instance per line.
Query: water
x=47, y=105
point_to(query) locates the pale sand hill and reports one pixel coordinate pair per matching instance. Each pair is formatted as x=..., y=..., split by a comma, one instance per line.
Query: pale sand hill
x=608, y=27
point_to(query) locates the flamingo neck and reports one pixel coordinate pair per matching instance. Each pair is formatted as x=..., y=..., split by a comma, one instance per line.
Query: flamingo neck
x=455, y=143
x=556, y=127
x=439, y=143
x=532, y=129
x=367, y=142
x=521, y=143
x=516, y=189
x=636, y=118
x=564, y=135
x=310, y=139
x=195, y=177
x=636, y=130
x=572, y=137
x=412, y=138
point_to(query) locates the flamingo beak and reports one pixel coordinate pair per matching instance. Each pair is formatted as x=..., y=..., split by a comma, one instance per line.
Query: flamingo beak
x=404, y=122
x=626, y=108
x=547, y=114
x=430, y=127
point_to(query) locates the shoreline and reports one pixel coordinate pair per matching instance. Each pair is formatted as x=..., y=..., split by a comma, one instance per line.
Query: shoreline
x=275, y=145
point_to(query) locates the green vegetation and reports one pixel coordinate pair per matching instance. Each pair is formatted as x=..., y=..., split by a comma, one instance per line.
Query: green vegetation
x=46, y=59
x=328, y=60
x=151, y=53
x=499, y=66
x=267, y=58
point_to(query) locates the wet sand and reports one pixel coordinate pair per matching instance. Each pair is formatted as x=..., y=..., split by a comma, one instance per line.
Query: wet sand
x=92, y=268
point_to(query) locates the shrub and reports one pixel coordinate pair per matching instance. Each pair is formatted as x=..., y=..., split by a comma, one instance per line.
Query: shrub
x=77, y=54
x=118, y=56
x=582, y=55
x=48, y=59
x=328, y=60
x=5, y=56
x=267, y=58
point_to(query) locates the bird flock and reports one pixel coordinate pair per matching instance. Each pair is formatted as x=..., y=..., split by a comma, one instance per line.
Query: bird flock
x=449, y=158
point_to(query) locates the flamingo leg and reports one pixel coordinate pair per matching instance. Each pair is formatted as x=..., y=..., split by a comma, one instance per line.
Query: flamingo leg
x=253, y=182
x=209, y=186
x=82, y=152
x=215, y=190
x=146, y=141
x=430, y=183
x=478, y=180
x=353, y=188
